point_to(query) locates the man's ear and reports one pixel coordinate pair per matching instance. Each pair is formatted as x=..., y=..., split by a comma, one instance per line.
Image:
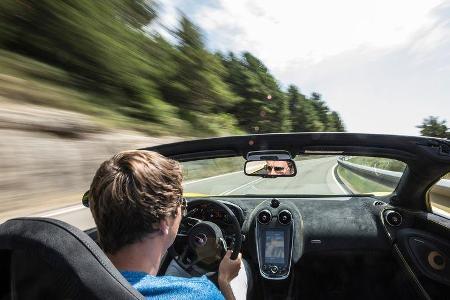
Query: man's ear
x=164, y=226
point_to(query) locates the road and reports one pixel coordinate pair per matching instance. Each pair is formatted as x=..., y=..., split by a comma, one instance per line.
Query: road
x=315, y=176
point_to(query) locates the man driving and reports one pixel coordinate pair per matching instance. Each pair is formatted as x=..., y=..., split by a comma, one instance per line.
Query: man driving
x=137, y=205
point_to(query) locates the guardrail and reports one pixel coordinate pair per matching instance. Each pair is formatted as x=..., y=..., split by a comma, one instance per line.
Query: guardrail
x=388, y=178
x=440, y=192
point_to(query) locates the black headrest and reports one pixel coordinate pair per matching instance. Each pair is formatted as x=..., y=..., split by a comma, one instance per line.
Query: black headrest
x=42, y=248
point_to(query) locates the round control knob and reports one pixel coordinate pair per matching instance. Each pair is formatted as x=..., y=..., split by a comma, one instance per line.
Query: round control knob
x=393, y=218
x=274, y=269
x=275, y=203
x=284, y=217
x=264, y=217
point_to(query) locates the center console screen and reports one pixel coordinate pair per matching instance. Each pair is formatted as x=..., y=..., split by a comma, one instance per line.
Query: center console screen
x=274, y=250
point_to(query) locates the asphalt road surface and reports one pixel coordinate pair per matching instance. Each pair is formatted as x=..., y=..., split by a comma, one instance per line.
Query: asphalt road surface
x=315, y=176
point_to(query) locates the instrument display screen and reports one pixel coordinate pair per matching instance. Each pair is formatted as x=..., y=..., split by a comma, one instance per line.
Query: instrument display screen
x=274, y=250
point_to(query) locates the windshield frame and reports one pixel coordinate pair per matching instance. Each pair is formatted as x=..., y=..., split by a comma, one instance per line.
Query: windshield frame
x=423, y=155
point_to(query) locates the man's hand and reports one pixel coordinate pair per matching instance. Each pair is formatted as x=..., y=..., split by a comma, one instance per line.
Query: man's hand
x=228, y=270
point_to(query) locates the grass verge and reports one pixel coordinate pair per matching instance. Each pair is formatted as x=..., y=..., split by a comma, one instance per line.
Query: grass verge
x=361, y=185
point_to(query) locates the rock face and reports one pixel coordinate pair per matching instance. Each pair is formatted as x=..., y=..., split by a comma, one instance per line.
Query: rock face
x=48, y=157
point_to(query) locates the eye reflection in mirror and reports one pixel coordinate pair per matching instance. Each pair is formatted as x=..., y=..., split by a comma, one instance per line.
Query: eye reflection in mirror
x=270, y=168
x=280, y=167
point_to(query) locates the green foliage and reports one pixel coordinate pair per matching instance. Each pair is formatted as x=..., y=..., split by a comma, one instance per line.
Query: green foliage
x=102, y=49
x=310, y=115
x=304, y=116
x=334, y=122
x=361, y=185
x=264, y=107
x=432, y=126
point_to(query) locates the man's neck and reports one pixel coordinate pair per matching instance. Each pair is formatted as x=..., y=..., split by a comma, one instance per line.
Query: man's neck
x=144, y=256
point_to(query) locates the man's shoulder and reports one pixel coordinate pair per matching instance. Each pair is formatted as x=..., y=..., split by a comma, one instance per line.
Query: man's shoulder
x=169, y=287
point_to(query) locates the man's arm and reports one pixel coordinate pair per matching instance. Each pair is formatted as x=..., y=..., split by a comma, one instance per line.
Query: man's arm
x=226, y=290
x=228, y=270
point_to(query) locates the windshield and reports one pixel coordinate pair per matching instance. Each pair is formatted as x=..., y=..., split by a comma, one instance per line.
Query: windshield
x=316, y=175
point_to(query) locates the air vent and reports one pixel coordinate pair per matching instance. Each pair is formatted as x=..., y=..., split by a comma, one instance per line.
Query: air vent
x=393, y=218
x=264, y=217
x=284, y=217
x=379, y=203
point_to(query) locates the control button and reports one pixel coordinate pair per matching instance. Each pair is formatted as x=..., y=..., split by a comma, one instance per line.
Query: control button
x=275, y=203
x=273, y=269
x=264, y=267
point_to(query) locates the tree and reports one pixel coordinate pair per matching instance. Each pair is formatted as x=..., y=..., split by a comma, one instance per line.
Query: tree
x=322, y=111
x=198, y=84
x=431, y=126
x=303, y=115
x=264, y=107
x=88, y=39
x=330, y=120
x=335, y=123
x=137, y=13
x=107, y=53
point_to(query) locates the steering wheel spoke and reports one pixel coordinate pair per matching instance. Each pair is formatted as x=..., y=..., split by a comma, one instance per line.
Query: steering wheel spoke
x=190, y=221
x=202, y=243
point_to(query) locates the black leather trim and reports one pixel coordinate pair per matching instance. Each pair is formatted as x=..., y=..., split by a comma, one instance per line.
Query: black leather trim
x=66, y=247
x=410, y=273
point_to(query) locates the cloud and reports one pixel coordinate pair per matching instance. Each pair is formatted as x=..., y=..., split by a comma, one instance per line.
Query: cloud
x=383, y=65
x=385, y=90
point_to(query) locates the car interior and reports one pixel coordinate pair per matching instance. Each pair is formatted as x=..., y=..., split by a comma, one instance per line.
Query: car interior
x=298, y=246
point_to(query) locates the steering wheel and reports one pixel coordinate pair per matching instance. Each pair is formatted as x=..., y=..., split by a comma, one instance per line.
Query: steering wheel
x=202, y=242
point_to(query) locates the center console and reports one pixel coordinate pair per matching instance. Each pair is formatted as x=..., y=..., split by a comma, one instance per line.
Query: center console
x=274, y=241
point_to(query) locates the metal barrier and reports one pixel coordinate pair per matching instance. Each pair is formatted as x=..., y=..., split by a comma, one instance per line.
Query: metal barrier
x=388, y=178
x=439, y=193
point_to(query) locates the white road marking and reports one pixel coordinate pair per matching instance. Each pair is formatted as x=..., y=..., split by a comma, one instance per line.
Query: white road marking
x=241, y=186
x=335, y=179
x=217, y=176
x=61, y=211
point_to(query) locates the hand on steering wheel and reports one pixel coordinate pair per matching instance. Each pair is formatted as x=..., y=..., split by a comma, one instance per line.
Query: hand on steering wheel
x=204, y=245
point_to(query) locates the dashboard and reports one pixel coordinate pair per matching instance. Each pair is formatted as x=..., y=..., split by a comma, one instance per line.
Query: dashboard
x=278, y=232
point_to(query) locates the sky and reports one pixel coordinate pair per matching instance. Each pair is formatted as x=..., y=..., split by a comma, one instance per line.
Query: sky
x=383, y=65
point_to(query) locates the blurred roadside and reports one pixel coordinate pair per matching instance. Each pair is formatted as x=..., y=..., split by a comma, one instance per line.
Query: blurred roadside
x=48, y=156
x=82, y=80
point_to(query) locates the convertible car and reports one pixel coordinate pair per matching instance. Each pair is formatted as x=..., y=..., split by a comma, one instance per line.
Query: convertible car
x=315, y=215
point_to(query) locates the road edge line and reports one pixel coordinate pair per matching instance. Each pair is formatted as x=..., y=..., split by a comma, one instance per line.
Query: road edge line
x=59, y=211
x=340, y=182
x=239, y=187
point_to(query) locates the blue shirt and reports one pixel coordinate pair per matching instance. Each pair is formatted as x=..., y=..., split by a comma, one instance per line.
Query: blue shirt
x=171, y=287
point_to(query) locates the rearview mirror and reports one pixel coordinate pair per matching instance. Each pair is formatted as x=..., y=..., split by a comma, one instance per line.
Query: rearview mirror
x=270, y=168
